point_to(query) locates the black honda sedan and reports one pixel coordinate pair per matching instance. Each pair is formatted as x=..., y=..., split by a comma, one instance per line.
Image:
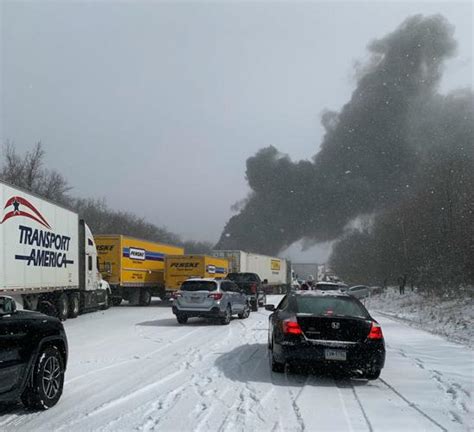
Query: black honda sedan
x=325, y=328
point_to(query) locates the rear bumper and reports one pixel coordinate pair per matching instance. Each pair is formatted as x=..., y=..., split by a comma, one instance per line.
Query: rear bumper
x=215, y=312
x=358, y=356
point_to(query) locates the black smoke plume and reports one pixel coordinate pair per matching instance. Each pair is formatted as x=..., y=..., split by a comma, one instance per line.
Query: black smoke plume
x=368, y=159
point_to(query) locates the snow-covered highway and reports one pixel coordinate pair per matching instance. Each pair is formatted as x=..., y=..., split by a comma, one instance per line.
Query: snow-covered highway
x=135, y=368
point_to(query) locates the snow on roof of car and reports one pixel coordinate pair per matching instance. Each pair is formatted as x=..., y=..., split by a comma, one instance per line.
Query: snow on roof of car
x=321, y=293
x=330, y=283
x=198, y=279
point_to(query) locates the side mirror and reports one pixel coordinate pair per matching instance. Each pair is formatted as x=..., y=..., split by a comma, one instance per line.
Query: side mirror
x=7, y=306
x=270, y=307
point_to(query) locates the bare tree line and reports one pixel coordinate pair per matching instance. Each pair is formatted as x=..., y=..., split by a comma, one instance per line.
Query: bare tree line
x=28, y=171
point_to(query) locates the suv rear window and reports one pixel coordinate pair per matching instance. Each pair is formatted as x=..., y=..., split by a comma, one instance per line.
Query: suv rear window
x=198, y=286
x=242, y=277
x=330, y=306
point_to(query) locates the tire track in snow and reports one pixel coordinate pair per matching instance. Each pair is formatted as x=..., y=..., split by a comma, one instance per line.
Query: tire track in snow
x=248, y=401
x=18, y=417
x=413, y=405
x=364, y=413
x=294, y=401
x=449, y=388
x=134, y=359
x=184, y=367
x=156, y=411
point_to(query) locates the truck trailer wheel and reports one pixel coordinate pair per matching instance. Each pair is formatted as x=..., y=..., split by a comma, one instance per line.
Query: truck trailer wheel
x=116, y=301
x=62, y=307
x=145, y=297
x=254, y=305
x=182, y=318
x=133, y=297
x=106, y=304
x=73, y=305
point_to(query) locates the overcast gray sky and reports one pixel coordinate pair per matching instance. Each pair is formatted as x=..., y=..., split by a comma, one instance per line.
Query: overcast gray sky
x=156, y=106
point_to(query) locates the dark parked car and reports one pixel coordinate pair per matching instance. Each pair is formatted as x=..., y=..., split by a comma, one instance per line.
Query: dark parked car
x=325, y=328
x=33, y=356
x=252, y=285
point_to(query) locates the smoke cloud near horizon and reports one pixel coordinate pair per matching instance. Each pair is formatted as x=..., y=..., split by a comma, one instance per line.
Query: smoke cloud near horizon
x=372, y=150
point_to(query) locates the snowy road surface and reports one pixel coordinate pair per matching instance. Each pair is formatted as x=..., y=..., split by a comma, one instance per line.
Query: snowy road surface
x=135, y=368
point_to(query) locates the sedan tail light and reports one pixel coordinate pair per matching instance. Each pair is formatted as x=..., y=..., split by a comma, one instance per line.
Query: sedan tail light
x=290, y=326
x=215, y=296
x=375, y=332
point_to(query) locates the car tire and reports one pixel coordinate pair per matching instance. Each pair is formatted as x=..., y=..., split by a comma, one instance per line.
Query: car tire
x=74, y=305
x=46, y=383
x=225, y=320
x=145, y=297
x=254, y=306
x=181, y=318
x=116, y=301
x=245, y=313
x=62, y=307
x=275, y=366
x=106, y=304
x=372, y=374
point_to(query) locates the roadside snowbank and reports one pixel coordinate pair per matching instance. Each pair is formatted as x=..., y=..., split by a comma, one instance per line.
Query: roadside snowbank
x=452, y=318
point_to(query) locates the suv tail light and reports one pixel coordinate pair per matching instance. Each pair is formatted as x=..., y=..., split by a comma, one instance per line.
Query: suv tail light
x=290, y=326
x=375, y=332
x=176, y=295
x=253, y=288
x=215, y=296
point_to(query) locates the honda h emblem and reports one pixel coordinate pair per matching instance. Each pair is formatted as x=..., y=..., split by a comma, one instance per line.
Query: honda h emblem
x=335, y=325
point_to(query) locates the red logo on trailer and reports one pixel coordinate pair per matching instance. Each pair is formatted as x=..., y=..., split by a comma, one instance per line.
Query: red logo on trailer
x=27, y=210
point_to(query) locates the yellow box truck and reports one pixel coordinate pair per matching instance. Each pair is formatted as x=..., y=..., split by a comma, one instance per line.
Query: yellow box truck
x=180, y=268
x=134, y=268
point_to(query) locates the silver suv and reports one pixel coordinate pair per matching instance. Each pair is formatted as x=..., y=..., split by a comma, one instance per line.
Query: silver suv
x=210, y=298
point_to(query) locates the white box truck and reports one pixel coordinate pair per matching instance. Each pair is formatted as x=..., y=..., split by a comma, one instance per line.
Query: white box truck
x=273, y=269
x=48, y=256
x=273, y=274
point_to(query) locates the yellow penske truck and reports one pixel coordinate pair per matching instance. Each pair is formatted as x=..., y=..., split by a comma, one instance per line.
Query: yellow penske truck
x=178, y=268
x=133, y=267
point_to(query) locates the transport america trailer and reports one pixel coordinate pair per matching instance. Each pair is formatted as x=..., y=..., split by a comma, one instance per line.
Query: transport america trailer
x=180, y=268
x=277, y=271
x=48, y=256
x=134, y=267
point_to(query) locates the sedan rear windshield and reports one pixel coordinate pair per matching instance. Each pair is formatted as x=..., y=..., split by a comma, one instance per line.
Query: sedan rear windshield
x=330, y=306
x=242, y=277
x=327, y=287
x=199, y=286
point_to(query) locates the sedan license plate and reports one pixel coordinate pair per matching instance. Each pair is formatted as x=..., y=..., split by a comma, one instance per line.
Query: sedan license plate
x=332, y=354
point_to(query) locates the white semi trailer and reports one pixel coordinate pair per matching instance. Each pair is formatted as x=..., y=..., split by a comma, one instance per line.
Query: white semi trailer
x=48, y=256
x=277, y=271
